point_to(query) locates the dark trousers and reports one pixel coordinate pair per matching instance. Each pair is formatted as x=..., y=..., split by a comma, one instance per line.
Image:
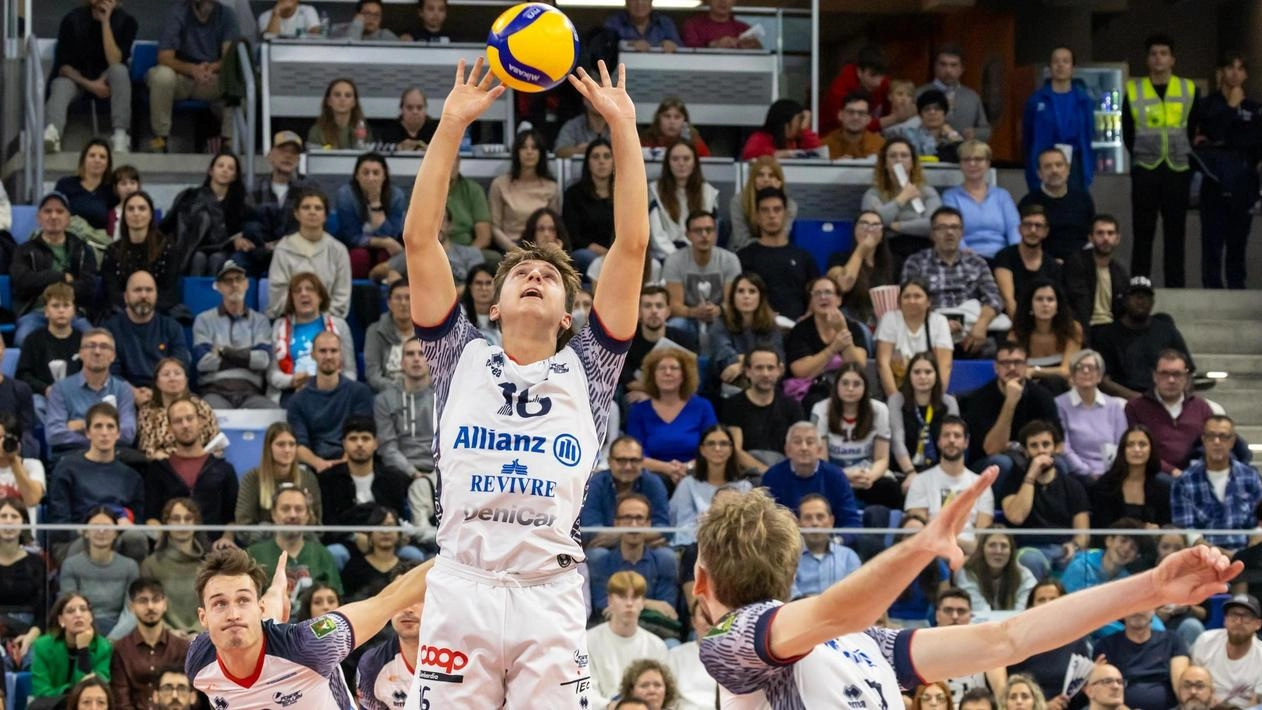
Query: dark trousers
x=1225, y=225
x=1162, y=191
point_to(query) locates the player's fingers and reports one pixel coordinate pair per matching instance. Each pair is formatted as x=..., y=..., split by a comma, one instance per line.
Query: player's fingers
x=477, y=71
x=577, y=84
x=460, y=66
x=604, y=73
x=496, y=92
x=488, y=80
x=622, y=76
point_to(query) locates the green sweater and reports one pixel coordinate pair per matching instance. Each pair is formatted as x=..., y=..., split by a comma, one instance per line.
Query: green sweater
x=53, y=674
x=313, y=564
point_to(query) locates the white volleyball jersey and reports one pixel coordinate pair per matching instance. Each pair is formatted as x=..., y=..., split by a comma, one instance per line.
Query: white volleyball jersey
x=383, y=677
x=298, y=668
x=860, y=671
x=515, y=445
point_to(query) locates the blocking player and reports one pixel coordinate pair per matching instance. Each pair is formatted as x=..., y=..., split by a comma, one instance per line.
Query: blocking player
x=246, y=660
x=823, y=652
x=519, y=429
x=384, y=673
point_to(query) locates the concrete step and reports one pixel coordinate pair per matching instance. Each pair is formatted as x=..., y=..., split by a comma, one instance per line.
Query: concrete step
x=1188, y=304
x=1244, y=404
x=1236, y=366
x=1253, y=435
x=1218, y=335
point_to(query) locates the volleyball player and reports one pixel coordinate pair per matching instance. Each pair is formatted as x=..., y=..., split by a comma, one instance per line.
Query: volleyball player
x=384, y=673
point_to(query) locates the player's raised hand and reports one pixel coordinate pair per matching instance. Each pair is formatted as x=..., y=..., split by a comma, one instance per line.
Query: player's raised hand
x=611, y=100
x=276, y=604
x=472, y=94
x=940, y=535
x=1190, y=575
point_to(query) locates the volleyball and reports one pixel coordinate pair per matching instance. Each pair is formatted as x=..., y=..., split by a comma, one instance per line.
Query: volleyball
x=532, y=46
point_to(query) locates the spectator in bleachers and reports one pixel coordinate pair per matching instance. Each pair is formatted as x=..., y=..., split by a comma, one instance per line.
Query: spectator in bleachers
x=471, y=213
x=1023, y=693
x=934, y=695
x=1048, y=668
x=23, y=583
x=1233, y=655
x=1131, y=487
x=211, y=222
x=578, y=132
x=98, y=572
x=764, y=172
x=632, y=553
x=902, y=102
x=306, y=315
x=933, y=137
x=905, y=204
x=855, y=429
x=954, y=607
x=93, y=47
x=993, y=578
x=617, y=643
x=669, y=423
x=384, y=340
x=671, y=123
x=869, y=72
x=758, y=416
x=310, y=250
x=932, y=488
x=680, y=191
x=173, y=690
x=1067, y=209
x=785, y=133
x=341, y=118
x=966, y=114
x=852, y=140
x=802, y=472
x=642, y=28
x=174, y=562
x=914, y=605
x=1093, y=567
x=188, y=471
x=652, y=333
x=1019, y=265
x=1094, y=423
x=1152, y=661
x=431, y=14
x=825, y=561
x=746, y=322
x=461, y=257
x=317, y=410
x=1043, y=497
x=649, y=682
x=527, y=186
x=141, y=247
x=1219, y=491
x=718, y=29
x=477, y=299
x=370, y=214
x=990, y=216
x=232, y=347
x=288, y=18
x=587, y=209
x=89, y=191
x=368, y=571
x=126, y=182
x=356, y=479
x=909, y=330
x=700, y=276
x=697, y=689
x=787, y=269
x=278, y=467
x=1004, y=407
x=21, y=471
x=58, y=342
x=1227, y=143
x=17, y=401
x=366, y=25
x=52, y=254
x=1172, y=411
x=414, y=129
x=309, y=562
x=545, y=227
x=66, y=425
x=917, y=411
x=405, y=427
x=318, y=600
x=626, y=474
x=714, y=467
x=821, y=344
x=195, y=39
x=1060, y=112
x=1048, y=332
x=144, y=336
x=1132, y=345
x=138, y=656
x=70, y=650
x=274, y=200
x=959, y=280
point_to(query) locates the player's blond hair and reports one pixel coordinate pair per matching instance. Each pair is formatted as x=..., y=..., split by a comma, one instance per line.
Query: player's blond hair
x=750, y=547
x=623, y=583
x=549, y=253
x=231, y=562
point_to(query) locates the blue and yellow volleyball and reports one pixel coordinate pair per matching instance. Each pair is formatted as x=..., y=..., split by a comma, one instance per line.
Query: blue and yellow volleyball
x=532, y=46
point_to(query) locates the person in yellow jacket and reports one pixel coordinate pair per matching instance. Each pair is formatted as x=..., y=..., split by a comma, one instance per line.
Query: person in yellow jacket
x=1159, y=117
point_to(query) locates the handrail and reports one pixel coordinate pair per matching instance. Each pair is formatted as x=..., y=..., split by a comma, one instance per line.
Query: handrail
x=33, y=135
x=246, y=120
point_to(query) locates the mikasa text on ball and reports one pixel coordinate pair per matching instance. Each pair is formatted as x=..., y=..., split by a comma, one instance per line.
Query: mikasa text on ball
x=532, y=46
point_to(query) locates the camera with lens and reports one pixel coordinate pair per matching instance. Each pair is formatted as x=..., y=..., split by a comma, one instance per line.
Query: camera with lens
x=10, y=443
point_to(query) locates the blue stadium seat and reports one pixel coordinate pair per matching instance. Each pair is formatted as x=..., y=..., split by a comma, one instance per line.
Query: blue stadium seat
x=1214, y=605
x=261, y=302
x=331, y=222
x=6, y=302
x=24, y=222
x=17, y=688
x=823, y=238
x=9, y=367
x=245, y=429
x=968, y=375
x=144, y=56
x=200, y=295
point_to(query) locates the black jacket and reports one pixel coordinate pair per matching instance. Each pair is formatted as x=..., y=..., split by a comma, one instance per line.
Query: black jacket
x=337, y=491
x=214, y=492
x=32, y=272
x=1080, y=282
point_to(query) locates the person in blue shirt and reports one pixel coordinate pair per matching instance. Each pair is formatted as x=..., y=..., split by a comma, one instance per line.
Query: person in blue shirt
x=625, y=475
x=1151, y=661
x=65, y=424
x=1061, y=112
x=824, y=560
x=643, y=28
x=669, y=424
x=803, y=473
x=657, y=565
x=991, y=221
x=144, y=336
x=1219, y=491
x=370, y=214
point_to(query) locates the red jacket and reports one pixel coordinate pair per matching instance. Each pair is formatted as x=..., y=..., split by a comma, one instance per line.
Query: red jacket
x=847, y=81
x=761, y=143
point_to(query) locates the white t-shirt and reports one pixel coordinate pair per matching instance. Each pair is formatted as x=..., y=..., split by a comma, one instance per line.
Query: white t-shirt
x=295, y=25
x=702, y=284
x=1235, y=682
x=845, y=453
x=1218, y=479
x=696, y=687
x=933, y=488
x=9, y=482
x=893, y=329
x=611, y=654
x=363, y=488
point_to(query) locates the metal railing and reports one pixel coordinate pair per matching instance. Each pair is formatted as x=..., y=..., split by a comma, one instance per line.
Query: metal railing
x=245, y=118
x=33, y=131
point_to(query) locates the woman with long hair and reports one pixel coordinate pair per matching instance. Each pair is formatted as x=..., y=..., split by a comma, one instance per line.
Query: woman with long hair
x=747, y=322
x=89, y=190
x=1132, y=487
x=305, y=316
x=1046, y=328
x=370, y=214
x=856, y=431
x=277, y=466
x=990, y=215
x=916, y=413
x=143, y=247
x=526, y=187
x=317, y=600
x=993, y=578
x=904, y=207
x=207, y=246
x=310, y=250
x=340, y=116
x=912, y=328
x=153, y=429
x=671, y=123
x=478, y=296
x=1047, y=669
x=1023, y=693
x=785, y=132
x=1093, y=421
x=713, y=467
x=932, y=696
x=763, y=172
x=71, y=650
x=91, y=693
x=680, y=191
x=545, y=227
x=669, y=423
x=868, y=265
x=369, y=571
x=23, y=582
x=820, y=343
x=651, y=681
x=587, y=209
x=174, y=562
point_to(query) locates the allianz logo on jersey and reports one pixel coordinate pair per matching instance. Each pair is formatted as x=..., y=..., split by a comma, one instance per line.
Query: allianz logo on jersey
x=565, y=448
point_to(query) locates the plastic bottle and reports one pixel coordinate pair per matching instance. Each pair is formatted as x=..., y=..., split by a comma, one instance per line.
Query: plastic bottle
x=325, y=25
x=360, y=135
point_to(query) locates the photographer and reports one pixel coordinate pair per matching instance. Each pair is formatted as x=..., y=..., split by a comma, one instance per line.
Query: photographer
x=19, y=477
x=16, y=398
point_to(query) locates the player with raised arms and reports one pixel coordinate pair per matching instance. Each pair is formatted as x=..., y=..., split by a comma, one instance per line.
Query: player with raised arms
x=824, y=652
x=518, y=429
x=247, y=660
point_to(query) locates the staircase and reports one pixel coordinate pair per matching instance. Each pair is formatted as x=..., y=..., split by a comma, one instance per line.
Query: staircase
x=1224, y=331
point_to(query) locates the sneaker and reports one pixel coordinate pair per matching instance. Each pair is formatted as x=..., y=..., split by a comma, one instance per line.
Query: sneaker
x=157, y=144
x=52, y=139
x=121, y=142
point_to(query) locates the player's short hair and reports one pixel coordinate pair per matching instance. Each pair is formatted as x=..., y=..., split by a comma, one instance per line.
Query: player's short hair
x=750, y=547
x=549, y=254
x=145, y=584
x=60, y=291
x=952, y=593
x=231, y=562
x=1036, y=427
x=623, y=583
x=687, y=363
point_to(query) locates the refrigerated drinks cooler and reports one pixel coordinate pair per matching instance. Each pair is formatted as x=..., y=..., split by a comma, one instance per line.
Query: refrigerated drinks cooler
x=1108, y=90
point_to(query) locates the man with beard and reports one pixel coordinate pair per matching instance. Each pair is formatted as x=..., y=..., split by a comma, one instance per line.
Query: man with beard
x=1045, y=498
x=1069, y=209
x=1095, y=282
x=191, y=472
x=1233, y=654
x=1152, y=661
x=1003, y=407
x=149, y=646
x=1018, y=265
x=384, y=673
x=1196, y=689
x=306, y=560
x=232, y=346
x=1105, y=688
x=933, y=488
x=759, y=417
x=1132, y=344
x=143, y=336
x=173, y=691
x=317, y=411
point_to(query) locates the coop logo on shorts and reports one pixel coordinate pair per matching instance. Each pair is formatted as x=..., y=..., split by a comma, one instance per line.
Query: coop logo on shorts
x=567, y=450
x=446, y=659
